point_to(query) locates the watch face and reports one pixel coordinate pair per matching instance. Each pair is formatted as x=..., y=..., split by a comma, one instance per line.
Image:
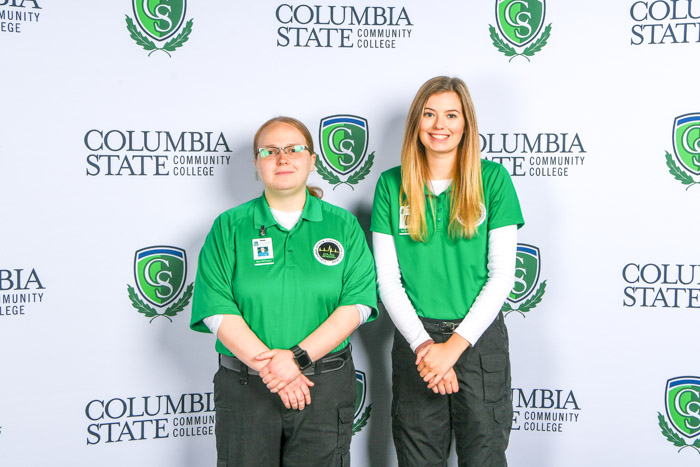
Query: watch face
x=303, y=360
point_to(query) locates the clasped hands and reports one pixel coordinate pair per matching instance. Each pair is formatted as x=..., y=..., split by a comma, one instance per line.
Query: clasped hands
x=435, y=363
x=282, y=376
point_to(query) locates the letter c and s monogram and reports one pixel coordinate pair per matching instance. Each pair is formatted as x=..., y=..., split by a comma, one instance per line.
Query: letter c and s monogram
x=691, y=410
x=518, y=21
x=159, y=13
x=157, y=280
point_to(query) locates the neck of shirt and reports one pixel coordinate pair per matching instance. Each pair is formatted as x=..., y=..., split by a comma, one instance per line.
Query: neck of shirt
x=438, y=186
x=286, y=219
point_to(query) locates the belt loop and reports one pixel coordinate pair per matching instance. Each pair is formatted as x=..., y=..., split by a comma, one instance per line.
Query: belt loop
x=243, y=379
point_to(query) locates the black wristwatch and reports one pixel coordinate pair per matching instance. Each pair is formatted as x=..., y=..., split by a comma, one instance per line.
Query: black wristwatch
x=301, y=357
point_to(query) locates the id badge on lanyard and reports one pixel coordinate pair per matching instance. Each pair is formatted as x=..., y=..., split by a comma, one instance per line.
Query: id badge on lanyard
x=403, y=220
x=263, y=253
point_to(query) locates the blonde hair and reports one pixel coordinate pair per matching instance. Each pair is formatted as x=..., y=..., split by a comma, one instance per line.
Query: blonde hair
x=313, y=191
x=467, y=194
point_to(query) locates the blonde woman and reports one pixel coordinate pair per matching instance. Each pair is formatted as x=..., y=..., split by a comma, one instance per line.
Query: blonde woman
x=444, y=229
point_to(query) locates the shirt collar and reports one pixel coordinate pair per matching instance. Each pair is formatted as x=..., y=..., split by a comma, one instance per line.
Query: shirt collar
x=263, y=217
x=312, y=209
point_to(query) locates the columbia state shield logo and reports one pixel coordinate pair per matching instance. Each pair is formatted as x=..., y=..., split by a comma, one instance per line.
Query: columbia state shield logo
x=158, y=18
x=682, y=403
x=527, y=276
x=686, y=141
x=520, y=21
x=160, y=273
x=344, y=140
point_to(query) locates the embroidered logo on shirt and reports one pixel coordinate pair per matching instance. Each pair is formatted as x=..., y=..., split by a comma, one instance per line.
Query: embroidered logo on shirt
x=329, y=252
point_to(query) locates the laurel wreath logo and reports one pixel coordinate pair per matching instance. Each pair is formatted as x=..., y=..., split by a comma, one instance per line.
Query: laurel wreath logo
x=353, y=179
x=148, y=44
x=528, y=304
x=529, y=51
x=151, y=312
x=362, y=421
x=674, y=437
x=679, y=174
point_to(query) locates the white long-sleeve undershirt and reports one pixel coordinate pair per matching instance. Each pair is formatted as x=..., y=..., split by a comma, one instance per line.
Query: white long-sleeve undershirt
x=287, y=220
x=501, y=276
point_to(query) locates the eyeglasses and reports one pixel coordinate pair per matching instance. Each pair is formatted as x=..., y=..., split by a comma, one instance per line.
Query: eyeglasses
x=292, y=151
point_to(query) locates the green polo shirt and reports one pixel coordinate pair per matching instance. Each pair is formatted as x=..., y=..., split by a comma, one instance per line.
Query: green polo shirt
x=284, y=283
x=442, y=277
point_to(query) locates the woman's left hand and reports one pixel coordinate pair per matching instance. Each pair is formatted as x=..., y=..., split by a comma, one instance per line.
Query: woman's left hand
x=449, y=384
x=296, y=395
x=281, y=369
x=440, y=358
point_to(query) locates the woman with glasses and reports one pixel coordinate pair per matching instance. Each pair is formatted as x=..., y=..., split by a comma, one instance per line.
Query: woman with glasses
x=444, y=229
x=282, y=281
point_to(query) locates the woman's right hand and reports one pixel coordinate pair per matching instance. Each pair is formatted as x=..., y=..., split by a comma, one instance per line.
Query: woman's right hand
x=281, y=369
x=296, y=395
x=434, y=363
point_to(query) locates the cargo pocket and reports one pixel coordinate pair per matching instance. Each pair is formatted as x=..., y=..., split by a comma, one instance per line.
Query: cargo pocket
x=494, y=376
x=346, y=416
x=503, y=414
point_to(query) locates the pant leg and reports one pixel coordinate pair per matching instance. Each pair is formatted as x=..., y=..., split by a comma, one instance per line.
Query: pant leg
x=320, y=434
x=420, y=418
x=248, y=421
x=482, y=409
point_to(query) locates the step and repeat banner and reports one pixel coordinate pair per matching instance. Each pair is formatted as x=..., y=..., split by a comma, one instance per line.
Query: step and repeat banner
x=126, y=128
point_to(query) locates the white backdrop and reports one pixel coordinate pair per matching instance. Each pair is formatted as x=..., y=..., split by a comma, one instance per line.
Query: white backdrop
x=86, y=379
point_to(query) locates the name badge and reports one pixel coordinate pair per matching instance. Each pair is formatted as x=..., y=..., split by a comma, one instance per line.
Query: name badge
x=262, y=251
x=403, y=220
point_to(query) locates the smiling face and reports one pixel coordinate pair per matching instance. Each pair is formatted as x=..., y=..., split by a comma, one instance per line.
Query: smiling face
x=282, y=175
x=442, y=125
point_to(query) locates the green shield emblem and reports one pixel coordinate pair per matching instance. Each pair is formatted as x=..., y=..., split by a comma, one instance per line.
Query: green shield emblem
x=160, y=273
x=527, y=272
x=683, y=404
x=343, y=142
x=686, y=141
x=520, y=20
x=361, y=391
x=160, y=19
